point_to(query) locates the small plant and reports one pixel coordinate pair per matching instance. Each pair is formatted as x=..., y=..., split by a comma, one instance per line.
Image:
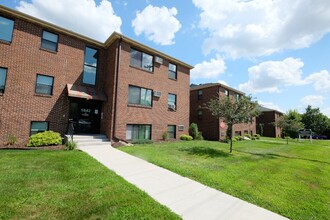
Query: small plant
x=193, y=130
x=45, y=138
x=165, y=136
x=186, y=137
x=70, y=145
x=200, y=136
x=238, y=138
x=248, y=136
x=142, y=141
x=11, y=139
x=257, y=136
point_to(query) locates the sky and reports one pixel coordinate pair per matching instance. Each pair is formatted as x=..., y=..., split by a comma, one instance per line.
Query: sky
x=277, y=51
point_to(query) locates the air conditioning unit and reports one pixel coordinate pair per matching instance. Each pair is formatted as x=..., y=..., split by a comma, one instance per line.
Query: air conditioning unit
x=171, y=106
x=180, y=127
x=157, y=94
x=159, y=60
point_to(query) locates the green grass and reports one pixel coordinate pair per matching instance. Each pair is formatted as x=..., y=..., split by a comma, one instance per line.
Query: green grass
x=292, y=180
x=68, y=185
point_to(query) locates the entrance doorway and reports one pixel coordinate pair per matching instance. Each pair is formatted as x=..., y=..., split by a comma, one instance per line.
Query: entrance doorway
x=86, y=115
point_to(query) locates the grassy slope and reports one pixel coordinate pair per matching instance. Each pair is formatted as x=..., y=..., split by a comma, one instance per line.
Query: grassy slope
x=292, y=180
x=68, y=185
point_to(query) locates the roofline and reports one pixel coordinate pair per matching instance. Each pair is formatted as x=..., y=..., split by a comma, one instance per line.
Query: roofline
x=114, y=36
x=215, y=85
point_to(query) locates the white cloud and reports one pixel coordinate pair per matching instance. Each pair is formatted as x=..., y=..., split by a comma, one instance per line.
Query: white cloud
x=316, y=101
x=270, y=105
x=81, y=16
x=209, y=69
x=223, y=82
x=157, y=24
x=326, y=111
x=271, y=76
x=320, y=81
x=261, y=27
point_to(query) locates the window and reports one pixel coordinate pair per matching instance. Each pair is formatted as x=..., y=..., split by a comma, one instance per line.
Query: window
x=200, y=114
x=90, y=66
x=38, y=126
x=49, y=41
x=6, y=29
x=139, y=96
x=172, y=71
x=171, y=130
x=200, y=94
x=226, y=92
x=142, y=60
x=171, y=101
x=138, y=132
x=44, y=85
x=237, y=97
x=238, y=133
x=3, y=77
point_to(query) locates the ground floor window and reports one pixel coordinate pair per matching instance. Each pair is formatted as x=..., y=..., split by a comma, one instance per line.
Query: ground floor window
x=38, y=126
x=171, y=129
x=238, y=133
x=138, y=132
x=3, y=76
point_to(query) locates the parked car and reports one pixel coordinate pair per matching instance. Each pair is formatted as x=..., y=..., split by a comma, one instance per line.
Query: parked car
x=319, y=136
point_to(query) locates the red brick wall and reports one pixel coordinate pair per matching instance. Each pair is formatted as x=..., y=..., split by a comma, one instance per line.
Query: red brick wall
x=210, y=125
x=158, y=115
x=19, y=105
x=267, y=119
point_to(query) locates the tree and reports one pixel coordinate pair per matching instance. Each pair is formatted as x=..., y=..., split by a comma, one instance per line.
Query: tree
x=233, y=111
x=290, y=123
x=315, y=120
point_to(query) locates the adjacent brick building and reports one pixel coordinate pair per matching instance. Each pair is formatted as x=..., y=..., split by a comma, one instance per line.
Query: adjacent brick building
x=265, y=122
x=211, y=127
x=121, y=88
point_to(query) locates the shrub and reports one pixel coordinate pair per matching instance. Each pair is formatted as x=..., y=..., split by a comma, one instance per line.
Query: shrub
x=200, y=136
x=45, y=138
x=142, y=141
x=257, y=136
x=248, y=136
x=238, y=138
x=186, y=137
x=11, y=139
x=165, y=135
x=193, y=130
x=253, y=138
x=70, y=145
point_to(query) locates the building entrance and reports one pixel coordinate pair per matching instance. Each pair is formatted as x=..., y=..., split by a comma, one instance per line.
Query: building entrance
x=85, y=115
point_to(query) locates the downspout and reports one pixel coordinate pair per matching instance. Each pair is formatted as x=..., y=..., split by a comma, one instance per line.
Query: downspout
x=116, y=93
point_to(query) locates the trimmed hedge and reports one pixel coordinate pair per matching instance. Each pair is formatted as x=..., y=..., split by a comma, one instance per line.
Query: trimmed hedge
x=45, y=138
x=186, y=137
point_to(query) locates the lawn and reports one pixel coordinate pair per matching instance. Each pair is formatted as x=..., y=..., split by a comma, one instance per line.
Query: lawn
x=37, y=184
x=292, y=180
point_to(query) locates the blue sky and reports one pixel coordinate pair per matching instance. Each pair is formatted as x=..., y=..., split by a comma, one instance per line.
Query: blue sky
x=275, y=50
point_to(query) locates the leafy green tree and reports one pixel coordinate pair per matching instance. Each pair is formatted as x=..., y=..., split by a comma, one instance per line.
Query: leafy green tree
x=315, y=120
x=290, y=123
x=233, y=111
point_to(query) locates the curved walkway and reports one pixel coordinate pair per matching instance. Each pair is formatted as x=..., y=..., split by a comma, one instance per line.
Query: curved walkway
x=187, y=198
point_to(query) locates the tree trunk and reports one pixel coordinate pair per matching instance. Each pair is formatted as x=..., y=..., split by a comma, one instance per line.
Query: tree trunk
x=230, y=132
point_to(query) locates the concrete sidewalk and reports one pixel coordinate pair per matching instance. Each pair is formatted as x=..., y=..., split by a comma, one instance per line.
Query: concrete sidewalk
x=187, y=198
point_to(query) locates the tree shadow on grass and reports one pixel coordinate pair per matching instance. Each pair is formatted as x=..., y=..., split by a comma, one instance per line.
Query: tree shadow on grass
x=273, y=156
x=205, y=151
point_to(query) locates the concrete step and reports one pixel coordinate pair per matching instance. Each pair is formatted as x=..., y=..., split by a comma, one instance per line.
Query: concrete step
x=90, y=140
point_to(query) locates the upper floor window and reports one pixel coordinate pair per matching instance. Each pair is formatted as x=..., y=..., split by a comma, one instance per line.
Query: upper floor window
x=139, y=96
x=171, y=101
x=90, y=66
x=3, y=77
x=200, y=94
x=6, y=29
x=142, y=60
x=172, y=71
x=38, y=126
x=237, y=97
x=226, y=92
x=44, y=85
x=49, y=41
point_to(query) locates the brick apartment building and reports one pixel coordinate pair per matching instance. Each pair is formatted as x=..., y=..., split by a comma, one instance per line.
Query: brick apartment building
x=121, y=88
x=211, y=127
x=265, y=122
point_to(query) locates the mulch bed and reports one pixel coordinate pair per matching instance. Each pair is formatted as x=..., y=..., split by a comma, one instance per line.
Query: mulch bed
x=22, y=147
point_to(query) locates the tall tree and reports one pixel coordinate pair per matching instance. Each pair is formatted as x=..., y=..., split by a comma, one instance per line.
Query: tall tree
x=315, y=120
x=290, y=123
x=233, y=111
